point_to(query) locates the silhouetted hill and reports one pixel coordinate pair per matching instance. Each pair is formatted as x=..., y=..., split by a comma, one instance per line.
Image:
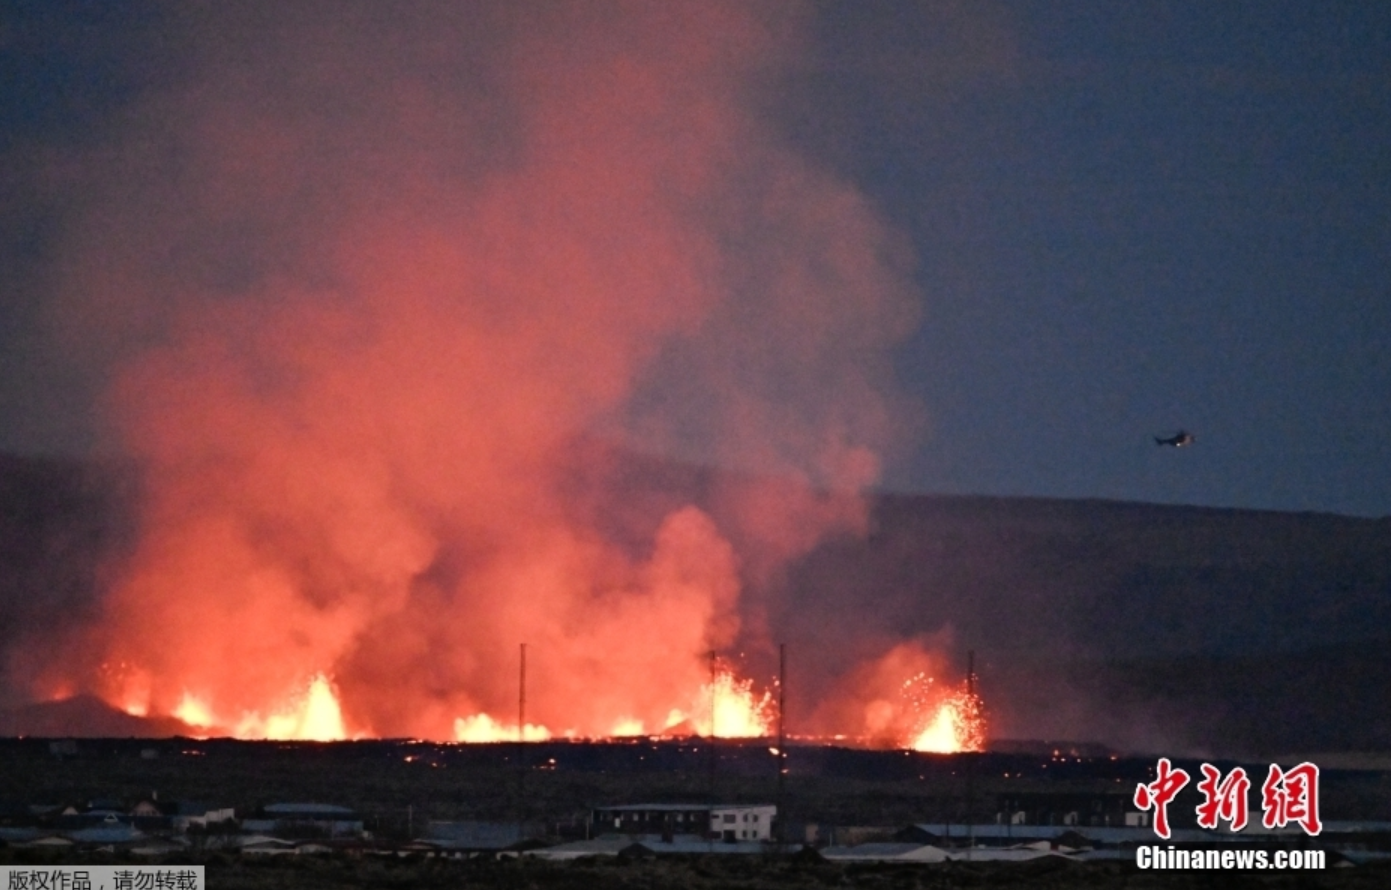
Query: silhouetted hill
x=1268, y=704
x=86, y=716
x=61, y=524
x=1143, y=626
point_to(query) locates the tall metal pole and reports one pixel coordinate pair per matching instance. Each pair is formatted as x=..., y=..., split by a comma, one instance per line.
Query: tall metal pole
x=970, y=757
x=521, y=745
x=714, y=693
x=782, y=741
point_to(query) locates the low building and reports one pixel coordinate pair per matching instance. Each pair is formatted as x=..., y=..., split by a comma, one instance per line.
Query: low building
x=1073, y=809
x=640, y=846
x=305, y=820
x=200, y=816
x=885, y=852
x=727, y=822
x=477, y=837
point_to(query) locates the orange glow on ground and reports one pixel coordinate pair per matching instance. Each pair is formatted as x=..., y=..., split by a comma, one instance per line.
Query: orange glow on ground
x=315, y=714
x=952, y=722
x=132, y=688
x=739, y=712
x=481, y=728
x=939, y=719
x=945, y=733
x=194, y=712
x=316, y=717
x=311, y=715
x=61, y=692
x=925, y=716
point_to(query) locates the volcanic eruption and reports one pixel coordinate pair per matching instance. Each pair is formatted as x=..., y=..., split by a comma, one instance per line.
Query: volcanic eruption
x=391, y=305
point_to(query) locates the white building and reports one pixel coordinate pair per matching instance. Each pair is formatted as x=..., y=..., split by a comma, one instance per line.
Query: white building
x=728, y=822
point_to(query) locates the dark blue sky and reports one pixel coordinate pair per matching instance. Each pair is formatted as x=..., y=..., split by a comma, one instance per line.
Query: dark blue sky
x=1133, y=218
x=1129, y=218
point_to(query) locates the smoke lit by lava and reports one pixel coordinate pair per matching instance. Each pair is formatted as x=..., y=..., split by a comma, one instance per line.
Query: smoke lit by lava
x=374, y=286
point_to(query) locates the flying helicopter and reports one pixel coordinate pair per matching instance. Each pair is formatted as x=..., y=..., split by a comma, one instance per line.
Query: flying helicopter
x=1178, y=440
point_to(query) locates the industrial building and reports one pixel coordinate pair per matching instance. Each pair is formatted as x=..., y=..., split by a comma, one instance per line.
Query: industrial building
x=727, y=822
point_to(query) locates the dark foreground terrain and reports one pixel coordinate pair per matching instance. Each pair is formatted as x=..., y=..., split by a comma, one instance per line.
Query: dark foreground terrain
x=398, y=787
x=395, y=785
x=740, y=873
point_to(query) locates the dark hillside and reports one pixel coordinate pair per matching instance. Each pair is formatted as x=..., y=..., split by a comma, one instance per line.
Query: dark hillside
x=61, y=521
x=1142, y=626
x=1115, y=580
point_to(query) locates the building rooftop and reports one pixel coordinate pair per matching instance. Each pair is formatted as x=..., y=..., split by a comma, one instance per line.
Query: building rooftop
x=682, y=807
x=300, y=809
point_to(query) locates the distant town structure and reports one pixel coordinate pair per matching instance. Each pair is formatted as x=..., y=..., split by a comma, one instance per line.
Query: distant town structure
x=306, y=819
x=474, y=836
x=1069, y=809
x=726, y=822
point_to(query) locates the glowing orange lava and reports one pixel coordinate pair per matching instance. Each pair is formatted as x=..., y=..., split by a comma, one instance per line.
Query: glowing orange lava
x=931, y=717
x=316, y=716
x=738, y=712
x=134, y=685
x=312, y=714
x=194, y=711
x=483, y=728
x=925, y=716
x=950, y=721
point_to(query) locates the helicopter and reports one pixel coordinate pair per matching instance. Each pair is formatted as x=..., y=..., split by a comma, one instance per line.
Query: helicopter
x=1178, y=440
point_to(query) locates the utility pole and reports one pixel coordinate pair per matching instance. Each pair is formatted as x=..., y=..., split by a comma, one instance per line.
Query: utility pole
x=521, y=745
x=970, y=756
x=521, y=697
x=714, y=693
x=782, y=742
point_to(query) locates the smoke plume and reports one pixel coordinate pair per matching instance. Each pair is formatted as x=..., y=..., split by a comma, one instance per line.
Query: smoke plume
x=388, y=293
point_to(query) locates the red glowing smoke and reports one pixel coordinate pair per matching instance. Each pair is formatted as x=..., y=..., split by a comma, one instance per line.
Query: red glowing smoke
x=376, y=284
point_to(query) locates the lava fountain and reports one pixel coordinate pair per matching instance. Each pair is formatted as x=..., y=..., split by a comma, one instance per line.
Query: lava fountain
x=950, y=720
x=737, y=710
x=312, y=714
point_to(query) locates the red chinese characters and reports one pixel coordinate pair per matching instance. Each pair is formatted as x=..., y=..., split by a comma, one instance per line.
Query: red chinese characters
x=1158, y=794
x=1292, y=796
x=1224, y=799
x=1287, y=796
